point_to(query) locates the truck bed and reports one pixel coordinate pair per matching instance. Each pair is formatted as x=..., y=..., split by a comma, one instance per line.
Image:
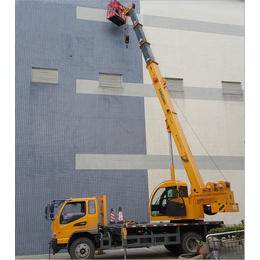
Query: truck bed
x=152, y=234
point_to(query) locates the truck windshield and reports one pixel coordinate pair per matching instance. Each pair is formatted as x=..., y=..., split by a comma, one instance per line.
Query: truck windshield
x=52, y=209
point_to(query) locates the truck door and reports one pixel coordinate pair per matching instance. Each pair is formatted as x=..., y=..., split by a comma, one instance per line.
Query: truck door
x=77, y=216
x=72, y=216
x=175, y=203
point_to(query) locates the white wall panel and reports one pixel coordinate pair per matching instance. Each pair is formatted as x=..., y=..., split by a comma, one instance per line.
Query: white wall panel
x=156, y=133
x=228, y=12
x=216, y=126
x=201, y=59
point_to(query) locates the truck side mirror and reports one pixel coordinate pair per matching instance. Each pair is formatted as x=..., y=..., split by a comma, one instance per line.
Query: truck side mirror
x=46, y=210
x=52, y=208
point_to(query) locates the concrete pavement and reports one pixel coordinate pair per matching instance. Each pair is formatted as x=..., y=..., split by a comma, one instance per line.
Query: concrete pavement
x=154, y=252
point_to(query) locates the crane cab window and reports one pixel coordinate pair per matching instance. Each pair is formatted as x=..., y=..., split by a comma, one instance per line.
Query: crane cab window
x=72, y=211
x=159, y=203
x=164, y=194
x=168, y=199
x=159, y=197
x=172, y=193
x=183, y=190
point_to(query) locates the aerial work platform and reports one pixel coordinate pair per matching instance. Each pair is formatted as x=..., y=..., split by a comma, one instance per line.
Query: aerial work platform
x=115, y=13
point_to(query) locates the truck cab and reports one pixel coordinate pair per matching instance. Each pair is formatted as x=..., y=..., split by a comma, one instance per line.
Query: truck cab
x=71, y=219
x=170, y=201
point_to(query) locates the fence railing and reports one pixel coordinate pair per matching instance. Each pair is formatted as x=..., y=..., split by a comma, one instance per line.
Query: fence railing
x=226, y=245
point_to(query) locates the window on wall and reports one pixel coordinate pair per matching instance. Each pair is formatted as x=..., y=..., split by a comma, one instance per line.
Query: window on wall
x=44, y=75
x=175, y=84
x=107, y=80
x=231, y=88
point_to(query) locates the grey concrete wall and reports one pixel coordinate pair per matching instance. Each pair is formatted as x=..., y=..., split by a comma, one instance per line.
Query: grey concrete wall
x=53, y=122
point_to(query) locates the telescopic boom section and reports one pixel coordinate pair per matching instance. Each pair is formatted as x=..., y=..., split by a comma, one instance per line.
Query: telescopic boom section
x=172, y=121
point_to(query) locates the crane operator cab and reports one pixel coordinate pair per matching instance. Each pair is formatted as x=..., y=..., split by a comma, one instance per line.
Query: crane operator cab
x=167, y=200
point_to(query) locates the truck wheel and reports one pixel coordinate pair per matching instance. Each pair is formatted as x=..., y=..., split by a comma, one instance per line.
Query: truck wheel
x=189, y=242
x=172, y=248
x=82, y=248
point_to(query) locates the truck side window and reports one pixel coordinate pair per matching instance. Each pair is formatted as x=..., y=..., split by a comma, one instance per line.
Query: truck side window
x=72, y=211
x=91, y=207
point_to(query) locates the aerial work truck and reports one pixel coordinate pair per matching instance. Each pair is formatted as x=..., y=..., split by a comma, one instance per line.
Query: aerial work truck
x=176, y=215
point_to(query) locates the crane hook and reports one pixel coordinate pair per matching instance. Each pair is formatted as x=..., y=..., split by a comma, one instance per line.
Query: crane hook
x=126, y=40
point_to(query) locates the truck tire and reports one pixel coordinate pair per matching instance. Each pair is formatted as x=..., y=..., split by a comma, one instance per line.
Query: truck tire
x=189, y=242
x=173, y=248
x=82, y=248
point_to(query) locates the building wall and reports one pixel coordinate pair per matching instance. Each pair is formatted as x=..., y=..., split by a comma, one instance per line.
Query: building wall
x=201, y=42
x=75, y=139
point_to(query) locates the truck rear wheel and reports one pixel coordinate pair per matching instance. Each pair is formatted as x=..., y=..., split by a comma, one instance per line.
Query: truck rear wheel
x=189, y=242
x=82, y=248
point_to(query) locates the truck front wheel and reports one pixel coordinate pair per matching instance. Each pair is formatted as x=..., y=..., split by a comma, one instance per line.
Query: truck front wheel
x=82, y=248
x=189, y=242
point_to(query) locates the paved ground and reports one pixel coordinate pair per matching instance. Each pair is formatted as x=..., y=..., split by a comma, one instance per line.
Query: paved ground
x=156, y=252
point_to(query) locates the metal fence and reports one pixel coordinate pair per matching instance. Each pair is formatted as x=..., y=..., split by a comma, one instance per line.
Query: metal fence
x=226, y=245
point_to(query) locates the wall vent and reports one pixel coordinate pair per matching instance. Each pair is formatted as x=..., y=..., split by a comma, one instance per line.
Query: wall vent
x=42, y=75
x=174, y=84
x=231, y=88
x=110, y=80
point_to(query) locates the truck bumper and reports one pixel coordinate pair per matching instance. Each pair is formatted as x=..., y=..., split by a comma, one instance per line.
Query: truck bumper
x=54, y=246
